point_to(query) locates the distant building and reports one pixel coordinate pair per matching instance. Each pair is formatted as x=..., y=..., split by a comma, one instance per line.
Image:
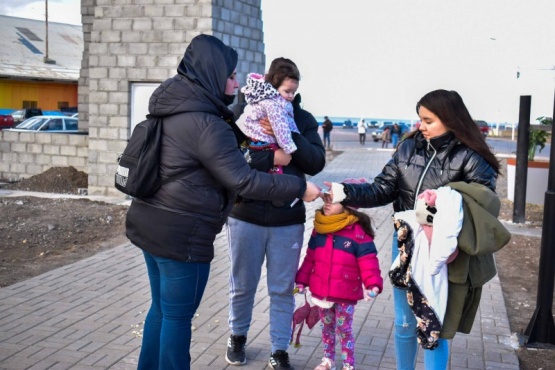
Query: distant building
x=29, y=76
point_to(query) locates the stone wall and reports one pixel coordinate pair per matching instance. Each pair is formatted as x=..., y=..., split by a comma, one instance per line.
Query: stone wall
x=23, y=155
x=143, y=41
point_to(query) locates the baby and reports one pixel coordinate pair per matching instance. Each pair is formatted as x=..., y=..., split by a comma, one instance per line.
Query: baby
x=270, y=97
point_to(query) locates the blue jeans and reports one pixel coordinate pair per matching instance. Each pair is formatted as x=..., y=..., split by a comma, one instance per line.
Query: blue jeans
x=394, y=140
x=327, y=139
x=406, y=344
x=249, y=245
x=176, y=288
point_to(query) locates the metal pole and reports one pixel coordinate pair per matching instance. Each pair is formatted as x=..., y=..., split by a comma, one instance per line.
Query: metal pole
x=47, y=59
x=46, y=17
x=521, y=170
x=541, y=328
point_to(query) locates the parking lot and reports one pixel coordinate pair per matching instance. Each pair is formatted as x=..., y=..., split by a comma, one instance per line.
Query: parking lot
x=342, y=139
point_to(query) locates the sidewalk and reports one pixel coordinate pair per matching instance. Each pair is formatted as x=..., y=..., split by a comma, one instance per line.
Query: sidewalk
x=89, y=315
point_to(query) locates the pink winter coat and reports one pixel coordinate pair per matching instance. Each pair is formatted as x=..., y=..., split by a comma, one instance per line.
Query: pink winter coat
x=339, y=264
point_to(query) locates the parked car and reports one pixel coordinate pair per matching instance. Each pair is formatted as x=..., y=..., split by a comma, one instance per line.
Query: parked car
x=21, y=115
x=381, y=125
x=377, y=134
x=6, y=121
x=68, y=111
x=483, y=126
x=49, y=124
x=348, y=124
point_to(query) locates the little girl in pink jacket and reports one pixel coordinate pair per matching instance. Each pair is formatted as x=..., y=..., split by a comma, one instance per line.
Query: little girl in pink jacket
x=341, y=260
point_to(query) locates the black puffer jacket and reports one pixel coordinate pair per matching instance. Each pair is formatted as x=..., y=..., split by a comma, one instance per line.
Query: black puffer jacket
x=182, y=219
x=309, y=158
x=417, y=166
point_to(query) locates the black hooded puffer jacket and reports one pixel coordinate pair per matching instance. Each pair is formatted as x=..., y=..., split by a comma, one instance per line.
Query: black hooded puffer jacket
x=417, y=166
x=182, y=219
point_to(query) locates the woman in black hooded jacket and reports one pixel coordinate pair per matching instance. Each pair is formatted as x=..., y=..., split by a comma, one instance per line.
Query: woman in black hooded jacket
x=176, y=226
x=447, y=147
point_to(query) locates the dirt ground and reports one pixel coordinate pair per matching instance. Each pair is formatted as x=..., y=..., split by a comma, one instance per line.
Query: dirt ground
x=41, y=234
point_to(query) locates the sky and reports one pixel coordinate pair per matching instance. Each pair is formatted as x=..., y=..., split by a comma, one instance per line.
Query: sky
x=377, y=58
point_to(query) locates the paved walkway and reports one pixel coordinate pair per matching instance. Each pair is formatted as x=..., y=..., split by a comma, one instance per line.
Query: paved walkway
x=89, y=315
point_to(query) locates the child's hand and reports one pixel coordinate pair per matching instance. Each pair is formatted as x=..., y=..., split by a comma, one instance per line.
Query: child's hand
x=299, y=288
x=371, y=294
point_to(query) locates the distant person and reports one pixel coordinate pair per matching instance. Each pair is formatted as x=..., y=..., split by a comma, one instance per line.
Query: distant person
x=176, y=227
x=426, y=160
x=271, y=96
x=417, y=125
x=327, y=126
x=361, y=126
x=396, y=133
x=386, y=137
x=342, y=243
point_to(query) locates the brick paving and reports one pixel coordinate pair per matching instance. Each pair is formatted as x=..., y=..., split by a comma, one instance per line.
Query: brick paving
x=89, y=315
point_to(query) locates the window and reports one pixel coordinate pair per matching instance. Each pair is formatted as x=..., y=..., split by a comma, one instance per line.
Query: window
x=29, y=104
x=33, y=124
x=55, y=124
x=71, y=124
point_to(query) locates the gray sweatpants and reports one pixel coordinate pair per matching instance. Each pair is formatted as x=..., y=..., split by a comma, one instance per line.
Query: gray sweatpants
x=249, y=245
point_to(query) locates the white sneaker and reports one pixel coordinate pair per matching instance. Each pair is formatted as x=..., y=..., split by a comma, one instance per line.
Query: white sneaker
x=326, y=364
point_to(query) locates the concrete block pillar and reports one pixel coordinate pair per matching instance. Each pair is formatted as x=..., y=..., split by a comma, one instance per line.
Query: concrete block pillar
x=130, y=41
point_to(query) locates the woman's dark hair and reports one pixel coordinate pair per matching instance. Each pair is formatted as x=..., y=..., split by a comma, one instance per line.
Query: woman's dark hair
x=450, y=109
x=363, y=219
x=280, y=69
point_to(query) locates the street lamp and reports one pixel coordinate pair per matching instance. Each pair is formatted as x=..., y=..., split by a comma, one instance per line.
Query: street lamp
x=47, y=60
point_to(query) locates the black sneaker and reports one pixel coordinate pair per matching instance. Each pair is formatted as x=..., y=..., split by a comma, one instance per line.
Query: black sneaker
x=280, y=360
x=235, y=354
